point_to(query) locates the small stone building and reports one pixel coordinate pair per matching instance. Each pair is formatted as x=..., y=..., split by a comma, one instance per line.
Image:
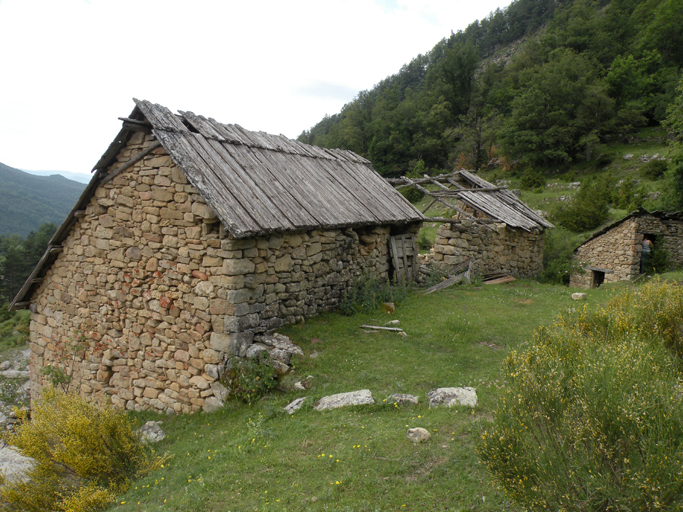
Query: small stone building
x=613, y=253
x=192, y=240
x=492, y=230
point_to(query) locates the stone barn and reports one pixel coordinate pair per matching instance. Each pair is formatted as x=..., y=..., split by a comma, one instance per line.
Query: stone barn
x=492, y=229
x=192, y=240
x=613, y=253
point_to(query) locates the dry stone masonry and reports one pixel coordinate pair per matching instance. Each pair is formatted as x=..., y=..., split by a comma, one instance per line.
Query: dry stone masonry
x=498, y=248
x=148, y=300
x=613, y=253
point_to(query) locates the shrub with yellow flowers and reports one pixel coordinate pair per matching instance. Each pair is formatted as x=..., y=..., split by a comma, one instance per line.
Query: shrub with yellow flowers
x=591, y=418
x=85, y=454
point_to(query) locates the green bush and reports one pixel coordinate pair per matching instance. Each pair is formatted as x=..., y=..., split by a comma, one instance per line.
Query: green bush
x=412, y=194
x=85, y=453
x=588, y=208
x=557, y=256
x=251, y=379
x=628, y=196
x=591, y=417
x=654, y=169
x=532, y=180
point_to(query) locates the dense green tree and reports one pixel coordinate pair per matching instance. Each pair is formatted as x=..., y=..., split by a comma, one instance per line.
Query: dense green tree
x=558, y=105
x=19, y=256
x=674, y=124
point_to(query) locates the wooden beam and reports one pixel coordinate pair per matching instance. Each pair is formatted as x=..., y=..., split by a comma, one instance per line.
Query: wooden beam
x=21, y=305
x=55, y=249
x=130, y=163
x=37, y=280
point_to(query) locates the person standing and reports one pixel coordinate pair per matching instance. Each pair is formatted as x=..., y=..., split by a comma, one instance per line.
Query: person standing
x=645, y=254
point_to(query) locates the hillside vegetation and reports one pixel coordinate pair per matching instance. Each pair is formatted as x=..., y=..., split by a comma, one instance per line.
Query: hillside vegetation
x=538, y=85
x=27, y=201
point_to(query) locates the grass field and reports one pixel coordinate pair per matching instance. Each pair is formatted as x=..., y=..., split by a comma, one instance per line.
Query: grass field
x=257, y=458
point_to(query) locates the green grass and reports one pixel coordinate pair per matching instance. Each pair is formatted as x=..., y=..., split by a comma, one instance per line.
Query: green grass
x=258, y=458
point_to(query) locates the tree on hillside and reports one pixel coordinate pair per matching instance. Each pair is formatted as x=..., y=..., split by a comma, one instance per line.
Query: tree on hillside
x=19, y=256
x=557, y=106
x=674, y=124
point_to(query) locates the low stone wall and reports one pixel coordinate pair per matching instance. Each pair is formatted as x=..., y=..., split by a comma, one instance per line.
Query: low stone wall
x=147, y=301
x=619, y=249
x=500, y=249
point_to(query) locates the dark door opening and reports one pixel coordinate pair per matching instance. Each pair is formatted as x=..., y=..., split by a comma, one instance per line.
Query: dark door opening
x=598, y=278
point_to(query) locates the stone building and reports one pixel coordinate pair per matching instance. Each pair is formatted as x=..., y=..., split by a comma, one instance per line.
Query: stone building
x=492, y=229
x=613, y=253
x=192, y=240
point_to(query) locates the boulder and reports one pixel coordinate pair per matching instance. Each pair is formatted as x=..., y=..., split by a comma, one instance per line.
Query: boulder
x=151, y=432
x=212, y=404
x=398, y=398
x=295, y=405
x=418, y=435
x=578, y=296
x=362, y=397
x=13, y=465
x=452, y=396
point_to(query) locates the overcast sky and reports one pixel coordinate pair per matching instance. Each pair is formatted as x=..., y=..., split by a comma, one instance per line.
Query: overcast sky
x=70, y=68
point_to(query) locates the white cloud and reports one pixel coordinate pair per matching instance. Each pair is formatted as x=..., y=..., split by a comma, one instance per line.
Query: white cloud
x=70, y=68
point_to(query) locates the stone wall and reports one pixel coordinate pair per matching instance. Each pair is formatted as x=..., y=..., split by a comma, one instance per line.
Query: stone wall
x=498, y=250
x=161, y=300
x=619, y=249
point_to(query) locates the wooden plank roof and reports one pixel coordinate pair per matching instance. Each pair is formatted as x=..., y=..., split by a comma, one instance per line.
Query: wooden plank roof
x=255, y=182
x=498, y=203
x=259, y=183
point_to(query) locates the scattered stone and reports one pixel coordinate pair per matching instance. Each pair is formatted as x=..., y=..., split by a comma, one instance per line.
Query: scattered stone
x=13, y=464
x=452, y=396
x=151, y=432
x=304, y=383
x=255, y=350
x=389, y=307
x=418, y=435
x=403, y=334
x=313, y=355
x=400, y=399
x=362, y=397
x=14, y=374
x=578, y=296
x=393, y=322
x=5, y=365
x=212, y=404
x=295, y=405
x=627, y=156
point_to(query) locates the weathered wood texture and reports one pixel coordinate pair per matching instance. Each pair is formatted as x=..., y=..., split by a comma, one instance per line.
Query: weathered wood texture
x=259, y=183
x=495, y=202
x=404, y=257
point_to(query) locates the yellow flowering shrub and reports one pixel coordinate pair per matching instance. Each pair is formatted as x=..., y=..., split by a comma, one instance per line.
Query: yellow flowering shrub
x=591, y=418
x=85, y=453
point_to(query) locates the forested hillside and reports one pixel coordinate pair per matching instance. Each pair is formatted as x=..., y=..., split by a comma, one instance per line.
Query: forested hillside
x=27, y=201
x=541, y=83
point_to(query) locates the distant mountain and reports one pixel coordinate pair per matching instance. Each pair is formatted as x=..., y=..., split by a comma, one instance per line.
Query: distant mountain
x=75, y=176
x=27, y=201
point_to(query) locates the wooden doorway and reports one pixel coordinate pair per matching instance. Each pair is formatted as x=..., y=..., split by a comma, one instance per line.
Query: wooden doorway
x=404, y=258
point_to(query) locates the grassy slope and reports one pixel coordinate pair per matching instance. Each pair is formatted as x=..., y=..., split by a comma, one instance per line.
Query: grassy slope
x=258, y=458
x=27, y=201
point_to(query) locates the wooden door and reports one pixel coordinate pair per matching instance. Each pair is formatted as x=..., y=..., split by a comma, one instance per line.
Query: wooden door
x=404, y=258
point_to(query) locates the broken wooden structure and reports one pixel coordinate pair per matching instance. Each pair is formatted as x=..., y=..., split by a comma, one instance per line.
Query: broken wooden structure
x=491, y=225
